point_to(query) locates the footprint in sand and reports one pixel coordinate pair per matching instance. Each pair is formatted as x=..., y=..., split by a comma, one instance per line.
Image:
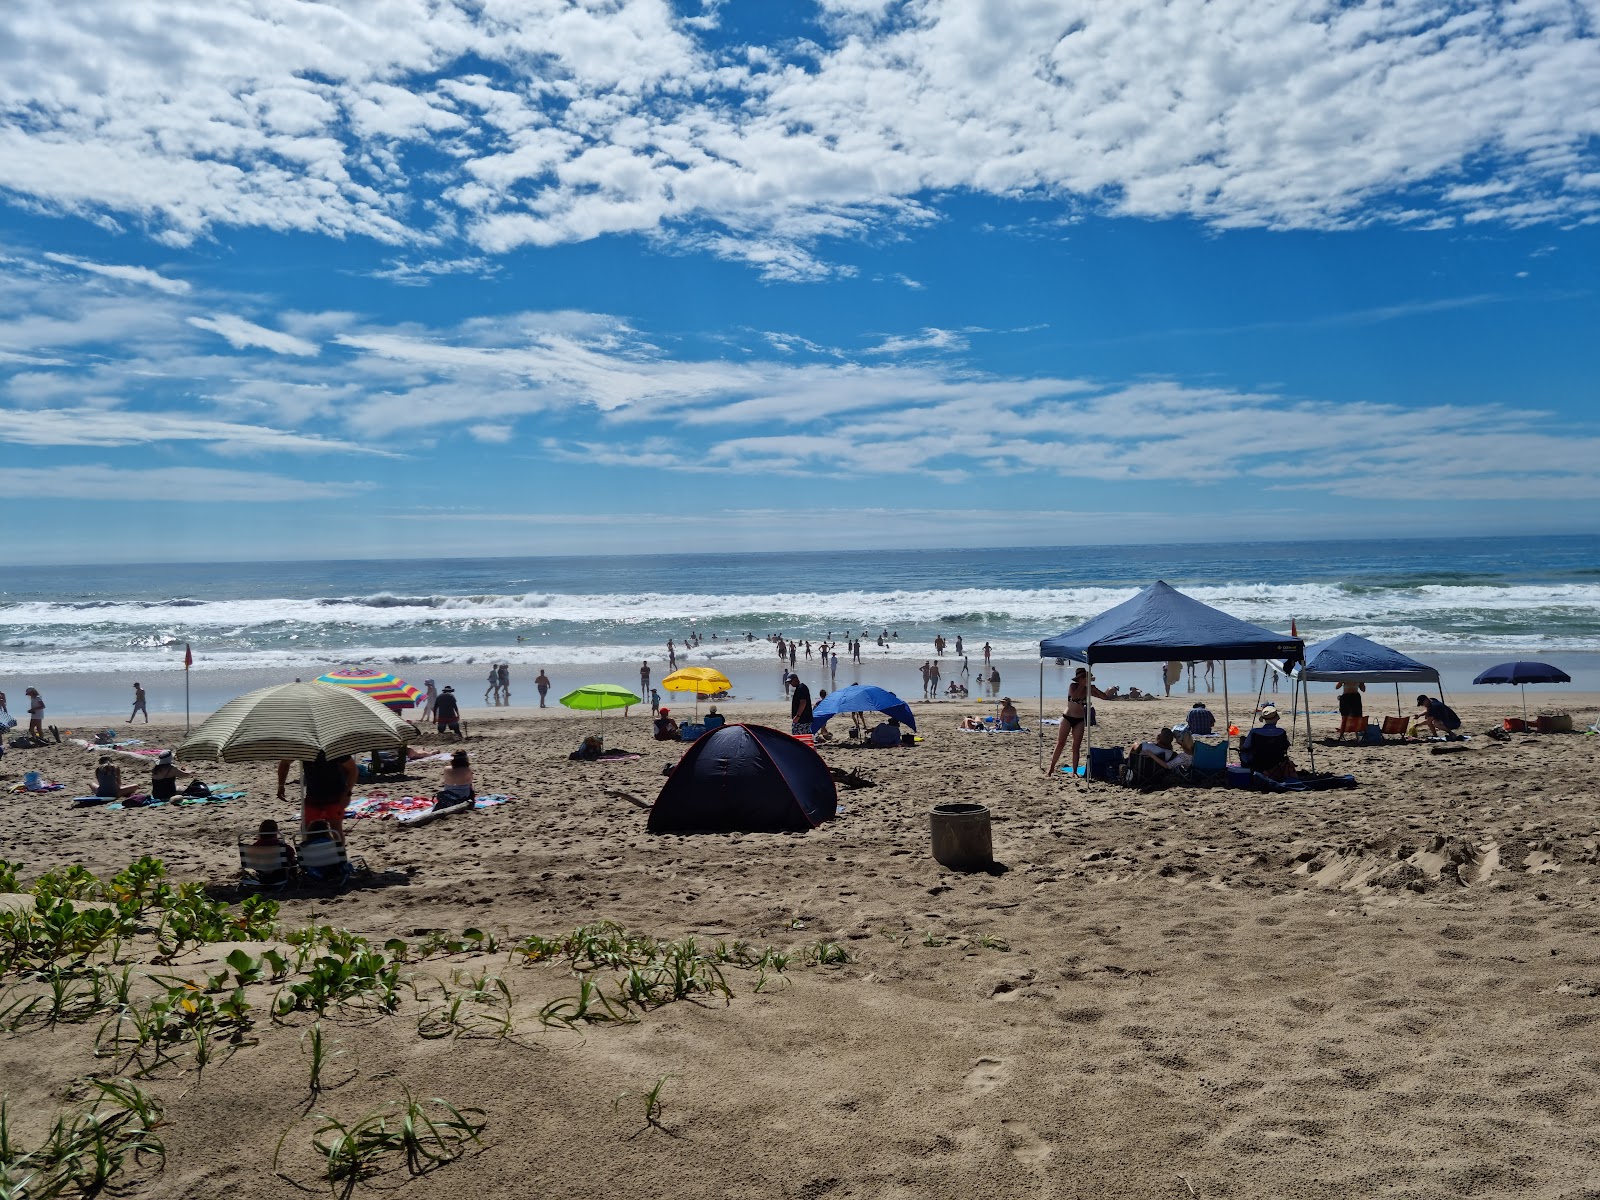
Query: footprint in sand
x=986, y=1075
x=1026, y=1145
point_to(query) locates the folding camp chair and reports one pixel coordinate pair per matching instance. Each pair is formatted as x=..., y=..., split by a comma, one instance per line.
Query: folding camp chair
x=1210, y=767
x=327, y=860
x=268, y=867
x=1396, y=726
x=1146, y=774
x=1106, y=763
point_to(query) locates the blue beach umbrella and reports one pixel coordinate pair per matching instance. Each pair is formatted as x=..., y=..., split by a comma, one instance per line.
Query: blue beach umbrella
x=1522, y=674
x=862, y=697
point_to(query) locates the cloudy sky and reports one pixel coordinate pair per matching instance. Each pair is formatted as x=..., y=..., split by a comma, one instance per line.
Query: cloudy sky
x=382, y=277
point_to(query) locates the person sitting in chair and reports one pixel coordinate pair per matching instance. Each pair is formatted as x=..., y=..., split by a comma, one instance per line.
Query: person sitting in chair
x=1009, y=720
x=270, y=840
x=1201, y=721
x=666, y=728
x=1162, y=751
x=714, y=719
x=1265, y=749
x=1438, y=716
x=887, y=734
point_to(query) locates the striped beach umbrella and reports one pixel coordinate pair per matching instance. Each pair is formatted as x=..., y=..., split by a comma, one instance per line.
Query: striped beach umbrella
x=295, y=720
x=386, y=689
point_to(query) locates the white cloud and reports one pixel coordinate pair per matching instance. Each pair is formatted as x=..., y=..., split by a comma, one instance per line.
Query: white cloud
x=928, y=339
x=109, y=427
x=171, y=484
x=140, y=275
x=241, y=334
x=547, y=122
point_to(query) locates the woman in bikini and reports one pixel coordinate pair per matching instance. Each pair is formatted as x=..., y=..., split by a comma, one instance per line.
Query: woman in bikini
x=1076, y=716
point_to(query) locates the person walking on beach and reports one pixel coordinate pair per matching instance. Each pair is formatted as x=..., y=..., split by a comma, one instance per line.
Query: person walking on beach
x=655, y=702
x=959, y=651
x=933, y=680
x=491, y=694
x=833, y=668
x=542, y=682
x=138, y=704
x=429, y=700
x=35, y=713
x=505, y=683
x=792, y=659
x=924, y=670
x=672, y=656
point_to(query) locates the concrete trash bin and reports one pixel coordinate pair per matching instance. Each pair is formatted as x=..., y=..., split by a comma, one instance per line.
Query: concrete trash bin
x=961, y=836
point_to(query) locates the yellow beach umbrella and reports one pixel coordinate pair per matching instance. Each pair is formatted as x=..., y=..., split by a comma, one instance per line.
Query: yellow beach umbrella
x=702, y=681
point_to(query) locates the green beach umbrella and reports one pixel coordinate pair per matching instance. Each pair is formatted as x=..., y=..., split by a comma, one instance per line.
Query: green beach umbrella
x=597, y=697
x=295, y=720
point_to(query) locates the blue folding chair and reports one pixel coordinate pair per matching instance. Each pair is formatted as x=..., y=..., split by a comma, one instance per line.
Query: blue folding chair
x=1210, y=766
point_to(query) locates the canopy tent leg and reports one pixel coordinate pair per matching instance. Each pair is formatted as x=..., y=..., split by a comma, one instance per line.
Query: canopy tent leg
x=1088, y=721
x=1040, y=720
x=1397, y=711
x=1311, y=748
x=1227, y=721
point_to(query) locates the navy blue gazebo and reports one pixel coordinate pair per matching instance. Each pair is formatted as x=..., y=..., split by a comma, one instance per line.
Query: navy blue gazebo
x=1161, y=623
x=1351, y=658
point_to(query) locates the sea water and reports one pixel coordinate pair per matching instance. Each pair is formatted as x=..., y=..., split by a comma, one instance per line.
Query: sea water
x=1459, y=603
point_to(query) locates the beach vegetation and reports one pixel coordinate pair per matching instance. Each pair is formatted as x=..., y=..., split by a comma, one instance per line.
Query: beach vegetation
x=424, y=1134
x=84, y=1152
x=652, y=1103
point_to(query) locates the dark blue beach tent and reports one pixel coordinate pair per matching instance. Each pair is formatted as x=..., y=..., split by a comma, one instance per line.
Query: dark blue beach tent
x=1350, y=658
x=745, y=778
x=1161, y=623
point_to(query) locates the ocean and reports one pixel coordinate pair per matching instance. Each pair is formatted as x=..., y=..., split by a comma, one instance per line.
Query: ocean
x=81, y=630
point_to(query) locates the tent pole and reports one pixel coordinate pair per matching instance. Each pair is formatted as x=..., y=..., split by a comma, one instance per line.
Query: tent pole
x=1397, y=711
x=1311, y=748
x=1088, y=720
x=1040, y=721
x=1227, y=721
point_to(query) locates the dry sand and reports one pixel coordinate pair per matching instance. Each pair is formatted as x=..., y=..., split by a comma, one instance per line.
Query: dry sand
x=1387, y=991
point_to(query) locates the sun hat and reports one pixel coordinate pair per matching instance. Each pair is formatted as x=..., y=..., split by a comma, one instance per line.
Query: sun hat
x=448, y=688
x=665, y=709
x=164, y=757
x=1269, y=713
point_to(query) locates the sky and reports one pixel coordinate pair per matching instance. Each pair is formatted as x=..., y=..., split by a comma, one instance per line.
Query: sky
x=374, y=278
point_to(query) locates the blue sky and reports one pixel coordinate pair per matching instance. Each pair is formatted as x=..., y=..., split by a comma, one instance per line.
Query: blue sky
x=395, y=277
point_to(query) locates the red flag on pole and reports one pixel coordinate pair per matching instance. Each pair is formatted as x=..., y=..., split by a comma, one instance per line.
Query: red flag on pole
x=188, y=657
x=1293, y=632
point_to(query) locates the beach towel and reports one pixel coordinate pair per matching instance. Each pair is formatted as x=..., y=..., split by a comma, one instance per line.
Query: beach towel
x=35, y=784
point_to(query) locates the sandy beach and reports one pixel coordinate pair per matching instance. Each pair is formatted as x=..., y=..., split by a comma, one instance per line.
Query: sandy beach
x=1384, y=991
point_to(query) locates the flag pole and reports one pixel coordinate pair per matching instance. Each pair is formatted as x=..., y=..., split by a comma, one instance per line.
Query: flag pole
x=188, y=661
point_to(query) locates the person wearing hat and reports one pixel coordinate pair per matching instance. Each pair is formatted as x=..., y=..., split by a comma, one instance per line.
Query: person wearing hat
x=429, y=700
x=1265, y=749
x=164, y=777
x=1075, y=717
x=1201, y=720
x=666, y=728
x=446, y=712
x=1010, y=722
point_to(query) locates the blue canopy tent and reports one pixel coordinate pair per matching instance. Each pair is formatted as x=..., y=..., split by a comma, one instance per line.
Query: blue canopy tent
x=1161, y=623
x=1350, y=658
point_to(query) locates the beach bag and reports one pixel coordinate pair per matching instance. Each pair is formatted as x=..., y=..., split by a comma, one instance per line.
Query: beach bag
x=7, y=721
x=33, y=781
x=196, y=788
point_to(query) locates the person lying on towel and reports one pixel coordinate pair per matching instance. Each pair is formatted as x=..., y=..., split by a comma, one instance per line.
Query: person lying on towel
x=1265, y=749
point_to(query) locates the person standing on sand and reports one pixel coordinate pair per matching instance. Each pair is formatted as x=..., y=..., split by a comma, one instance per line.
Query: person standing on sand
x=447, y=713
x=429, y=700
x=1075, y=718
x=542, y=682
x=35, y=713
x=655, y=702
x=959, y=651
x=644, y=678
x=138, y=704
x=933, y=680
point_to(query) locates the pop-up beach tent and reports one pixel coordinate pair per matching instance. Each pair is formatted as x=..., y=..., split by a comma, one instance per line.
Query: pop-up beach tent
x=745, y=778
x=1350, y=658
x=1159, y=624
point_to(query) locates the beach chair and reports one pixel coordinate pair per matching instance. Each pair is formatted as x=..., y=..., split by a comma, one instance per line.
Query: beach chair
x=1355, y=725
x=1146, y=774
x=689, y=731
x=328, y=861
x=267, y=868
x=1396, y=726
x=1210, y=768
